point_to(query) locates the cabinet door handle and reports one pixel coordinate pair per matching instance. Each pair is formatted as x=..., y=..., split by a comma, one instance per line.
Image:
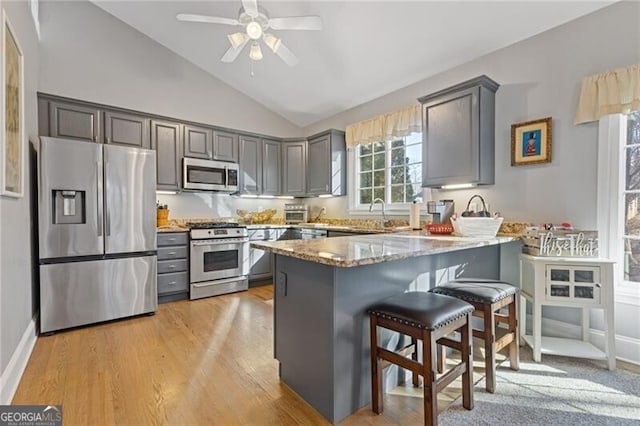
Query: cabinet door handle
x=173, y=283
x=171, y=253
x=172, y=266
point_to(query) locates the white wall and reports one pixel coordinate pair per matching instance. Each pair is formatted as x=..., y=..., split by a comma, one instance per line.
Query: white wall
x=539, y=77
x=17, y=290
x=86, y=53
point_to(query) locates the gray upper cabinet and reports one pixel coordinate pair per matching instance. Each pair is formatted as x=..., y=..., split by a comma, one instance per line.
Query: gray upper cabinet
x=225, y=146
x=198, y=142
x=294, y=175
x=73, y=121
x=458, y=134
x=166, y=140
x=271, y=167
x=126, y=129
x=326, y=168
x=250, y=165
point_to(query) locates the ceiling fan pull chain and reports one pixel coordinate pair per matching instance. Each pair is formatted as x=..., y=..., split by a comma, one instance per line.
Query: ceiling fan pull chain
x=251, y=63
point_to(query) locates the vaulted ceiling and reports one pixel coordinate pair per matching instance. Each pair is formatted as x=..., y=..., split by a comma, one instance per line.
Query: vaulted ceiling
x=366, y=49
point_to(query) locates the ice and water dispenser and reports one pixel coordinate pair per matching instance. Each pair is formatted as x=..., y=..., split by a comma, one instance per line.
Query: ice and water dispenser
x=68, y=206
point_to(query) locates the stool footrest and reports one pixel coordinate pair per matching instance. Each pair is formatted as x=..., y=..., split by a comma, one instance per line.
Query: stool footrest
x=503, y=342
x=454, y=344
x=450, y=376
x=396, y=359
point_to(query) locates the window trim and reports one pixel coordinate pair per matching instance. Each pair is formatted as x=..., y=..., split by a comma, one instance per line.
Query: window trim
x=352, y=180
x=610, y=203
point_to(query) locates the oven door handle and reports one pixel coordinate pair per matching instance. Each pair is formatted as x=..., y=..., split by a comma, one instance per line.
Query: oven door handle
x=215, y=282
x=217, y=243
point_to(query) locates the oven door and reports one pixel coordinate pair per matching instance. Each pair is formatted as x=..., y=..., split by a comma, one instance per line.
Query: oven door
x=214, y=259
x=295, y=216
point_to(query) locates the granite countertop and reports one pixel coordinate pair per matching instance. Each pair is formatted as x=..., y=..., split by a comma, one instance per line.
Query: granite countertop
x=172, y=228
x=360, y=250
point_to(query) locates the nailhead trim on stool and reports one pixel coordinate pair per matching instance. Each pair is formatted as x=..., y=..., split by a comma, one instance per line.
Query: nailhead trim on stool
x=430, y=318
x=488, y=297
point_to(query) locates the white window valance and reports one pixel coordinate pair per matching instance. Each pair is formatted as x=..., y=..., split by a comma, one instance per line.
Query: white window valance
x=385, y=127
x=611, y=92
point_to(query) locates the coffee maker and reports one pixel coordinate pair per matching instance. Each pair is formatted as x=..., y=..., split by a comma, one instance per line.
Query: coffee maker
x=441, y=211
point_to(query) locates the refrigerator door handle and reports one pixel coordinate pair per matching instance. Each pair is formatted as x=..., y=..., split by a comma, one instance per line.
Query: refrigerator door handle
x=107, y=222
x=99, y=198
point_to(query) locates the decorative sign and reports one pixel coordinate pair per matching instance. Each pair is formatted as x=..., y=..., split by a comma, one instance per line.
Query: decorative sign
x=562, y=244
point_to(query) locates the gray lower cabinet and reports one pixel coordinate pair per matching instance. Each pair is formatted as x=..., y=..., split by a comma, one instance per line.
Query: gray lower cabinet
x=261, y=261
x=126, y=129
x=459, y=134
x=250, y=165
x=225, y=146
x=198, y=142
x=326, y=165
x=173, y=266
x=271, y=167
x=73, y=121
x=294, y=174
x=166, y=140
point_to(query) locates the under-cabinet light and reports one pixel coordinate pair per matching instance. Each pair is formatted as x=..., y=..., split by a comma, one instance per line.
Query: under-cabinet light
x=248, y=196
x=266, y=196
x=166, y=192
x=285, y=197
x=325, y=196
x=458, y=186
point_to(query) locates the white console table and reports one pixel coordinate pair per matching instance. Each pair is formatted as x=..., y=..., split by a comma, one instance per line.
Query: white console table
x=576, y=282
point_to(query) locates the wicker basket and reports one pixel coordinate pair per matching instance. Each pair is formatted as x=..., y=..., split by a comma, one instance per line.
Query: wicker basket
x=476, y=226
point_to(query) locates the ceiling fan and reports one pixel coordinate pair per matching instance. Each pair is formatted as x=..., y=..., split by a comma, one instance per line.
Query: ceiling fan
x=255, y=23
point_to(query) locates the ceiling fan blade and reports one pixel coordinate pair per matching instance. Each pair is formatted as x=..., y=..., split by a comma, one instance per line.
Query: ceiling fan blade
x=251, y=7
x=286, y=55
x=296, y=23
x=231, y=54
x=186, y=17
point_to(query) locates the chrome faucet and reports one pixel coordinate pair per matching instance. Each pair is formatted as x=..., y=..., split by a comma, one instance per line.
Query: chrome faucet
x=379, y=200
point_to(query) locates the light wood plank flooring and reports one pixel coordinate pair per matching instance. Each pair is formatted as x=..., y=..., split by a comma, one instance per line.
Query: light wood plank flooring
x=203, y=362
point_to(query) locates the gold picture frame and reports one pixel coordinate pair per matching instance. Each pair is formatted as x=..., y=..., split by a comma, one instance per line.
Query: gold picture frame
x=12, y=112
x=531, y=142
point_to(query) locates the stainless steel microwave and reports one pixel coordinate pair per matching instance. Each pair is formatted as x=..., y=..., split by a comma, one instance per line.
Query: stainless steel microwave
x=209, y=175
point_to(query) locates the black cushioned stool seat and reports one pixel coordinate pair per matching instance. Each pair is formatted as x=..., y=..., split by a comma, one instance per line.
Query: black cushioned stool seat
x=488, y=297
x=428, y=317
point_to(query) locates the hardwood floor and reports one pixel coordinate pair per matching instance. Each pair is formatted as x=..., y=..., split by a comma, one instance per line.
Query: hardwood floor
x=208, y=362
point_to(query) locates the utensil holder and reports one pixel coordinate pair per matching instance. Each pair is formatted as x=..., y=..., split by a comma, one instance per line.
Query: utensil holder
x=162, y=217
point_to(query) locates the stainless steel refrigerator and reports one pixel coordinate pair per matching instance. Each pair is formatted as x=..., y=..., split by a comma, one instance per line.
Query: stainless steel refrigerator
x=97, y=232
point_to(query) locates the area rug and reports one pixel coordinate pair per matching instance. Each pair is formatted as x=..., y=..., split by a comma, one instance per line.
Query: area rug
x=558, y=391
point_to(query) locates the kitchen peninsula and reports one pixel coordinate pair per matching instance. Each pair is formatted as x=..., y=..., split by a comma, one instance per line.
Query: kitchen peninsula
x=324, y=286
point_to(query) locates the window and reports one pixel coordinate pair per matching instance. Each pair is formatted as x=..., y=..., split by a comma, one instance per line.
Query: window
x=631, y=197
x=391, y=171
x=618, y=209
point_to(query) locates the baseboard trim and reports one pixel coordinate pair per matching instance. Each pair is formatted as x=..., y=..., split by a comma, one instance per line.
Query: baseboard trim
x=11, y=375
x=627, y=348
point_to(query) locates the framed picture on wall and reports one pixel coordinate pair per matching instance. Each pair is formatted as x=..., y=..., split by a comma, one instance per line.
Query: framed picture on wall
x=531, y=142
x=13, y=133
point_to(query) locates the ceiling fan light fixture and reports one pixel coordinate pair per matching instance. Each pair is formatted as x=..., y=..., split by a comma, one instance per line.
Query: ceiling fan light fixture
x=237, y=39
x=272, y=41
x=255, y=53
x=254, y=30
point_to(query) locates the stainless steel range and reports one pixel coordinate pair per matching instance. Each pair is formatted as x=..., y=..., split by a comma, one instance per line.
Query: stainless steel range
x=219, y=259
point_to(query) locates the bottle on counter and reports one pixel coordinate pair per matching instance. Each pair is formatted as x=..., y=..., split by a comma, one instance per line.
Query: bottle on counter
x=414, y=215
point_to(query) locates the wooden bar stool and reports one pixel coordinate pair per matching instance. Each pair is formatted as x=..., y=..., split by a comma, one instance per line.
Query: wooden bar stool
x=488, y=297
x=430, y=318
